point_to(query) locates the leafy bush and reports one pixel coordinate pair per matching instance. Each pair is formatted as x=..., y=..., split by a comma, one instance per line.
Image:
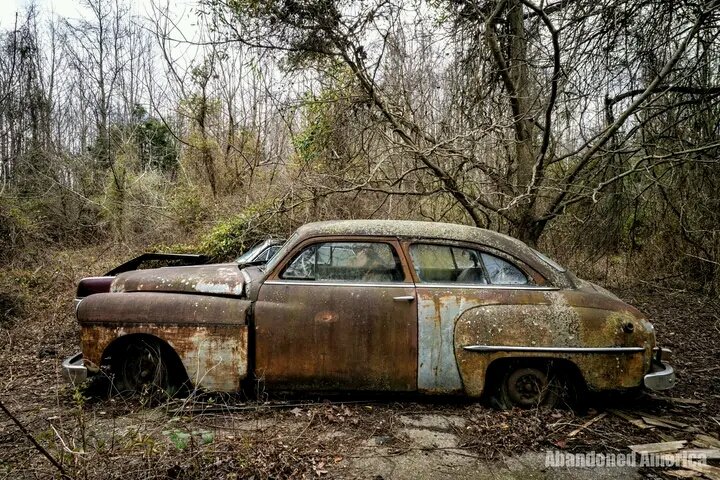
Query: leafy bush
x=188, y=208
x=231, y=237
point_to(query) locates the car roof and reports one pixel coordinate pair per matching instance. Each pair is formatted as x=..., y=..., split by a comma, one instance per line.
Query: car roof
x=433, y=230
x=411, y=229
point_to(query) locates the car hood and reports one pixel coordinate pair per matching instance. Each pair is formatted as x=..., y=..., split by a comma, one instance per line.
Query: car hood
x=217, y=279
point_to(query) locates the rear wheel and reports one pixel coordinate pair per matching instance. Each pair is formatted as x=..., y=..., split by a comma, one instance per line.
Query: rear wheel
x=526, y=386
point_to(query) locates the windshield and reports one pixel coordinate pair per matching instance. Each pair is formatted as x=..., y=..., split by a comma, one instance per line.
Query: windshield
x=280, y=254
x=250, y=254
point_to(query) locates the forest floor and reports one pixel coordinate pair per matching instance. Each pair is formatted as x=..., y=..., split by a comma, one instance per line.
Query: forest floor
x=348, y=437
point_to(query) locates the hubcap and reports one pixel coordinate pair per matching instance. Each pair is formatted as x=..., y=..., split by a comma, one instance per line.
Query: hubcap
x=527, y=386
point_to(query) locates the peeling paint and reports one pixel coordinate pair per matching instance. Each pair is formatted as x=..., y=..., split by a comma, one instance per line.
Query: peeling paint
x=220, y=279
x=208, y=334
x=437, y=369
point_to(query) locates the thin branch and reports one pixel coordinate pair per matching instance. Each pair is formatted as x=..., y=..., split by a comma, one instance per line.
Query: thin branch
x=32, y=440
x=609, y=102
x=612, y=129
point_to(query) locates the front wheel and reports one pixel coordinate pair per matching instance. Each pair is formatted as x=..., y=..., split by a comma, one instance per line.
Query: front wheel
x=141, y=367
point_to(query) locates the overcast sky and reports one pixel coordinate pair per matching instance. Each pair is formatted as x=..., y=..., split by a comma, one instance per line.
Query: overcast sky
x=64, y=8
x=75, y=9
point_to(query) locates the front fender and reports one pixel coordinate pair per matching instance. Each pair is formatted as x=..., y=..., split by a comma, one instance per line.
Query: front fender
x=209, y=333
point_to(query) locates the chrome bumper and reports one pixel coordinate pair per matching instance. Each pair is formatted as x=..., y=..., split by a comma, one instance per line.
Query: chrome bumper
x=661, y=376
x=74, y=370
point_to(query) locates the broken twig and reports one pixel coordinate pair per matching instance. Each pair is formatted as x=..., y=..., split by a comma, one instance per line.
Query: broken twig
x=587, y=424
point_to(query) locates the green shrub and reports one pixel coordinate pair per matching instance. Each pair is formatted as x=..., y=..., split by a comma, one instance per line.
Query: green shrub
x=189, y=208
x=230, y=237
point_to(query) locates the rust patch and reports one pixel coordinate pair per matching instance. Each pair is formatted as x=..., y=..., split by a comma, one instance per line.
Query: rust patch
x=558, y=319
x=344, y=337
x=209, y=334
x=326, y=316
x=214, y=357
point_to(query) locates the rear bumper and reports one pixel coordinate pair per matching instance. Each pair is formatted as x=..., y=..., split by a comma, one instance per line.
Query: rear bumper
x=661, y=375
x=74, y=370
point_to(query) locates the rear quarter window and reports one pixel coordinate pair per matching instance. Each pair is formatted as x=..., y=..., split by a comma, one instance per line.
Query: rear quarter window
x=452, y=264
x=502, y=272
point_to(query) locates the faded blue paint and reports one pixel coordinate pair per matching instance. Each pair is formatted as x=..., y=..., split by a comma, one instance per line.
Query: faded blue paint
x=437, y=368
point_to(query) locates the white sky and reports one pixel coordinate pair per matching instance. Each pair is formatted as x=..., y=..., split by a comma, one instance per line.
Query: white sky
x=75, y=9
x=8, y=8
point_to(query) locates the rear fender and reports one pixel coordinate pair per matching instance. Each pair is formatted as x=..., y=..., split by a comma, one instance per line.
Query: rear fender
x=543, y=331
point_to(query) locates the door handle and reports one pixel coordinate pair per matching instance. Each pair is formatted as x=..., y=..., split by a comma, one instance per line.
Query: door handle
x=404, y=298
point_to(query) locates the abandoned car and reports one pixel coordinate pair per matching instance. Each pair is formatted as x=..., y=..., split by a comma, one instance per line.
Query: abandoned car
x=372, y=305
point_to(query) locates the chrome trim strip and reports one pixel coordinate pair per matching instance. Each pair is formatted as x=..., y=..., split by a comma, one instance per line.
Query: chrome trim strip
x=512, y=348
x=339, y=284
x=487, y=287
x=409, y=285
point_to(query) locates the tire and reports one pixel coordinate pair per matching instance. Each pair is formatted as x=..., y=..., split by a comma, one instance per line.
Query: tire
x=142, y=367
x=528, y=387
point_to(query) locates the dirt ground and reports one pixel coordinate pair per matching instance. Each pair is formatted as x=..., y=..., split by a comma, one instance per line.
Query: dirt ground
x=346, y=437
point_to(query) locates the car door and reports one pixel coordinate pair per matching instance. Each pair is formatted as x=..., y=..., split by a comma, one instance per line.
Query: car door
x=338, y=314
x=452, y=279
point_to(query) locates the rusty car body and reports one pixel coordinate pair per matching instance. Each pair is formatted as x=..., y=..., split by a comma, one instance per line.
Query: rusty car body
x=373, y=305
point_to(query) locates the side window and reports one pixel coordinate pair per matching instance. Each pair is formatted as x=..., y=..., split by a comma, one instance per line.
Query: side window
x=502, y=272
x=303, y=266
x=262, y=257
x=272, y=251
x=346, y=261
x=447, y=264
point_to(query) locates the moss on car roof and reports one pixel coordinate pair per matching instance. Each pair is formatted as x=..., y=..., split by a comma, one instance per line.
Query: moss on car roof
x=410, y=229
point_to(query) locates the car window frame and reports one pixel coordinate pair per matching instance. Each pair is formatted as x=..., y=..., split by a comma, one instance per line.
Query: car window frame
x=276, y=274
x=535, y=279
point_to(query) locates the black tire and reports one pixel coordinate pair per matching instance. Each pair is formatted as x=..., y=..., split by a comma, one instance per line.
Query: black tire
x=527, y=386
x=142, y=367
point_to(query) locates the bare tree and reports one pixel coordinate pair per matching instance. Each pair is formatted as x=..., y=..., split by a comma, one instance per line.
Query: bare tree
x=520, y=64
